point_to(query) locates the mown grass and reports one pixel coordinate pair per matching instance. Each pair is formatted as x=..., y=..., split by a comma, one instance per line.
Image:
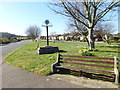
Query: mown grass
x=26, y=57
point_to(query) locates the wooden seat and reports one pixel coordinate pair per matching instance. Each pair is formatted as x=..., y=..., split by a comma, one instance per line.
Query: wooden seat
x=102, y=62
x=87, y=70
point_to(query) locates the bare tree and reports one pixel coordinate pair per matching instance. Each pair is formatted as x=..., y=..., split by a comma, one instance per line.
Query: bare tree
x=87, y=12
x=75, y=26
x=70, y=26
x=106, y=27
x=33, y=32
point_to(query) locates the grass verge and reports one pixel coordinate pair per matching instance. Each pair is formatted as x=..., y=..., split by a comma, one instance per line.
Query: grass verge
x=26, y=57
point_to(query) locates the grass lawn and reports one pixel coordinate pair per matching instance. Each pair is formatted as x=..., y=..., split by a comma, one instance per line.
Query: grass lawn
x=26, y=57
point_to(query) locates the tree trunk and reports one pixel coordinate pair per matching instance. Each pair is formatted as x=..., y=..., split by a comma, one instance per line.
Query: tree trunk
x=87, y=40
x=91, y=39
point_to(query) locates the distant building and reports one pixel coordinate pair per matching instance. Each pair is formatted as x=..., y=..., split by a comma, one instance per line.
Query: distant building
x=43, y=37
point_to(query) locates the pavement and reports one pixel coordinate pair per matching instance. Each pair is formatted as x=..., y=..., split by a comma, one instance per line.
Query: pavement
x=13, y=77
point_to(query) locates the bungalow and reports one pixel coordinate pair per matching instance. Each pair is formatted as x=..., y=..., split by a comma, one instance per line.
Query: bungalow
x=37, y=39
x=116, y=36
x=67, y=36
x=98, y=38
x=61, y=37
x=54, y=37
x=72, y=36
x=43, y=37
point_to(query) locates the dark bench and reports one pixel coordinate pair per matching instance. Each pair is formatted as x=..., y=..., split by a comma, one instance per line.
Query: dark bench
x=107, y=63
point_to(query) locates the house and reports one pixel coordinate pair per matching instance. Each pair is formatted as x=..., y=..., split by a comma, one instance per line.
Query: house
x=37, y=39
x=116, y=36
x=61, y=37
x=72, y=36
x=54, y=37
x=97, y=34
x=43, y=37
x=68, y=36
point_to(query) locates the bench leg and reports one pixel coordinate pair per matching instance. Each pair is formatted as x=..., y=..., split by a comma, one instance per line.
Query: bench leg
x=117, y=78
x=80, y=73
x=54, y=70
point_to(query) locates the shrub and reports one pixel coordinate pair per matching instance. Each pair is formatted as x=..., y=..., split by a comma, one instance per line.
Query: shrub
x=115, y=41
x=4, y=40
x=82, y=40
x=13, y=38
x=85, y=52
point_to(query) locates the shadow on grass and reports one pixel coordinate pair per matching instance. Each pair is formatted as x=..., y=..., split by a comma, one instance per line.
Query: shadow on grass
x=87, y=75
x=62, y=51
x=110, y=46
x=106, y=51
x=111, y=51
x=54, y=52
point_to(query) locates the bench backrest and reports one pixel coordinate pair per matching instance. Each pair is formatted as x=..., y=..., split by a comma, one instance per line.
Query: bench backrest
x=71, y=59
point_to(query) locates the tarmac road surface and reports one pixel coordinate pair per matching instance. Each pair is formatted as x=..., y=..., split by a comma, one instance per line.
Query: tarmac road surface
x=13, y=77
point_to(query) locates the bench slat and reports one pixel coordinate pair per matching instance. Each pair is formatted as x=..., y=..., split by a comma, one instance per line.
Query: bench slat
x=88, y=64
x=106, y=62
x=86, y=69
x=87, y=57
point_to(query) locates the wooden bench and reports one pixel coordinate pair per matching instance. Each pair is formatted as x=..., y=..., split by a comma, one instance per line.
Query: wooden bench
x=102, y=62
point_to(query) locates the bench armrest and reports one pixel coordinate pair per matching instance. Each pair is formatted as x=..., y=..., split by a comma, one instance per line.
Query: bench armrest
x=53, y=68
x=56, y=64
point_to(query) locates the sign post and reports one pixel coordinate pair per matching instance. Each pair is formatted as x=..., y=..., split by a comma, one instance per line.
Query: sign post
x=47, y=49
x=47, y=25
x=47, y=36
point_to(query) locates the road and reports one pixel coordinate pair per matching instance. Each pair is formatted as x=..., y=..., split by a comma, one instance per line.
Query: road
x=13, y=77
x=75, y=41
x=64, y=41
